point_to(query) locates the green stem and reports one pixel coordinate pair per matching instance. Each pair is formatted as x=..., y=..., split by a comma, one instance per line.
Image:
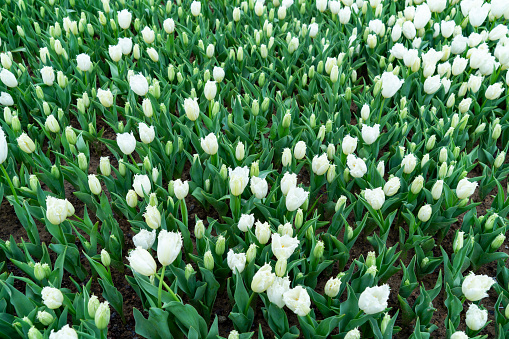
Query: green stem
x=10, y=183
x=160, y=287
x=249, y=302
x=103, y=334
x=133, y=161
x=381, y=110
x=183, y=211
x=310, y=319
x=210, y=108
x=198, y=131
x=173, y=295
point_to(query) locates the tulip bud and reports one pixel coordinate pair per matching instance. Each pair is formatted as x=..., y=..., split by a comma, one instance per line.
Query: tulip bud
x=458, y=242
x=131, y=198
x=430, y=144
x=82, y=162
x=34, y=333
x=94, y=184
x=93, y=305
x=102, y=316
x=488, y=226
x=105, y=258
x=39, y=271
x=44, y=318
x=223, y=172
x=371, y=259
x=318, y=250
x=417, y=184
x=220, y=245
x=255, y=170
x=199, y=229
x=281, y=267
x=287, y=120
x=497, y=130
x=34, y=182
x=498, y=241
x=208, y=261
x=299, y=219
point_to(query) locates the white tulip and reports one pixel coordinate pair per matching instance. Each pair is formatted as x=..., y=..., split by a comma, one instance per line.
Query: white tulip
x=191, y=108
x=374, y=299
x=259, y=187
x=370, y=134
x=375, y=197
x=148, y=35
x=476, y=318
x=299, y=151
x=169, y=246
x=262, y=279
x=277, y=289
x=115, y=52
x=124, y=18
x=83, y=62
x=138, y=84
x=209, y=144
x=8, y=78
x=48, y=75
x=52, y=297
x=295, y=198
x=141, y=185
x=105, y=97
x=180, y=188
x=142, y=262
x=392, y=186
x=465, y=188
x=297, y=299
x=349, y=145
x=357, y=166
x=236, y=261
x=147, y=134
x=283, y=246
x=246, y=222
x=169, y=25
x=474, y=286
x=195, y=8
x=126, y=142
x=289, y=181
x=390, y=84
x=320, y=164
x=210, y=90
x=144, y=239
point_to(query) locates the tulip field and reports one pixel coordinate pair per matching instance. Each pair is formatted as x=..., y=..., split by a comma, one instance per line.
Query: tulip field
x=254, y=169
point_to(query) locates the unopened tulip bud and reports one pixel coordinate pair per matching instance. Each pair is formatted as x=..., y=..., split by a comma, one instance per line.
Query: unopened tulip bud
x=220, y=245
x=497, y=130
x=199, y=229
x=371, y=259
x=39, y=271
x=82, y=162
x=223, y=172
x=105, y=258
x=385, y=322
x=34, y=182
x=458, y=242
x=299, y=219
x=318, y=250
x=498, y=241
x=208, y=261
x=44, y=318
x=430, y=144
x=93, y=305
x=499, y=160
x=287, y=120
x=34, y=333
x=102, y=316
x=251, y=253
x=281, y=267
x=131, y=198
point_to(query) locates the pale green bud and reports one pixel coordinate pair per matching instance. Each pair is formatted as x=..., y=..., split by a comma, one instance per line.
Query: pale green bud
x=93, y=305
x=44, y=318
x=220, y=245
x=319, y=248
x=371, y=259
x=281, y=267
x=102, y=316
x=498, y=241
x=105, y=258
x=199, y=229
x=208, y=261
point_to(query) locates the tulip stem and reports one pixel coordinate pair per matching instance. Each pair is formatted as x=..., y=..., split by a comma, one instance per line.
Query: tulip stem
x=381, y=110
x=10, y=183
x=168, y=288
x=160, y=287
x=249, y=302
x=103, y=334
x=133, y=161
x=183, y=211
